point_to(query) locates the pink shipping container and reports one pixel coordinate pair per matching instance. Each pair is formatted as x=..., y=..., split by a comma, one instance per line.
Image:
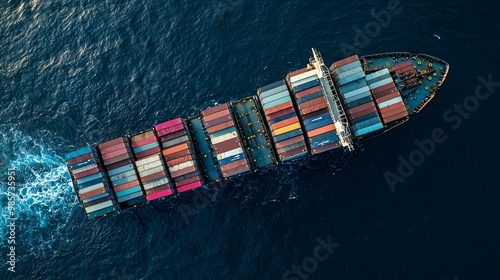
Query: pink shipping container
x=168, y=124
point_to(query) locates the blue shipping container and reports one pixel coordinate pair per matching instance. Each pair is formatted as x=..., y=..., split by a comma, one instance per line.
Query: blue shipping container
x=288, y=135
x=78, y=153
x=306, y=86
x=310, y=97
x=319, y=124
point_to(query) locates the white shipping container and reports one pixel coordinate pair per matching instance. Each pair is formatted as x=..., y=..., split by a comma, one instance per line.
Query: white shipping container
x=181, y=166
x=304, y=75
x=151, y=171
x=85, y=168
x=230, y=153
x=156, y=183
x=149, y=166
x=224, y=137
x=91, y=188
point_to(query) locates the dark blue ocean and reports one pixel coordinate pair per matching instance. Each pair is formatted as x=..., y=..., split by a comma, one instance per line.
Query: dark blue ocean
x=76, y=73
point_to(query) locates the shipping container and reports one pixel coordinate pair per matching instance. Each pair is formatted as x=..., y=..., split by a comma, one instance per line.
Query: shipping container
x=310, y=97
x=236, y=171
x=223, y=132
x=319, y=124
x=284, y=123
x=293, y=154
x=279, y=108
x=306, y=86
x=173, y=135
x=304, y=81
x=146, y=147
x=229, y=153
x=352, y=86
x=167, y=124
x=290, y=141
x=178, y=154
x=234, y=164
x=390, y=102
x=170, y=129
x=321, y=130
x=282, y=118
x=216, y=115
x=313, y=108
x=232, y=158
x=271, y=86
x=395, y=117
x=281, y=113
x=78, y=153
x=275, y=97
x=325, y=148
x=189, y=187
x=294, y=78
x=112, y=143
x=273, y=91
x=346, y=68
x=308, y=91
x=225, y=137
x=356, y=92
x=286, y=129
x=228, y=145
x=288, y=135
x=381, y=83
x=277, y=102
x=215, y=109
x=368, y=130
x=345, y=61
x=218, y=121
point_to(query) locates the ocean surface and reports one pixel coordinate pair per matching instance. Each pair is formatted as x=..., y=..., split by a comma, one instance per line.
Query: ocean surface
x=76, y=73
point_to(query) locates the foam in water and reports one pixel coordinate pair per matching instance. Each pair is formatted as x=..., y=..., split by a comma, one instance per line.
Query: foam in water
x=44, y=192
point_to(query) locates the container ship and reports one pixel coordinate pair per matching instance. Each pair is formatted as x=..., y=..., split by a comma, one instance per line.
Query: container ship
x=313, y=110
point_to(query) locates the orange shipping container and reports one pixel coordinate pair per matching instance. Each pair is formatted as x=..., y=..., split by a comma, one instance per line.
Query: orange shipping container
x=175, y=149
x=283, y=123
x=286, y=129
x=321, y=130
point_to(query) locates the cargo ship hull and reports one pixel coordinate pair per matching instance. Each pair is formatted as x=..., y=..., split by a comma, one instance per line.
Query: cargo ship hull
x=313, y=110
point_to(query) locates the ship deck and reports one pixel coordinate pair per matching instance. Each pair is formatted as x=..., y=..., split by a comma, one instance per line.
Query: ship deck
x=433, y=72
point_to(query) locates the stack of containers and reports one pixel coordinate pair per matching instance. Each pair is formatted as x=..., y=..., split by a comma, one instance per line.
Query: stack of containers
x=119, y=162
x=149, y=164
x=313, y=107
x=283, y=120
x=179, y=155
x=90, y=182
x=387, y=97
x=349, y=77
x=403, y=67
x=225, y=141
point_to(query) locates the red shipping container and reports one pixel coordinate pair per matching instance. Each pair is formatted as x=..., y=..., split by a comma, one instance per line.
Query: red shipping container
x=164, y=187
x=392, y=107
x=395, y=111
x=387, y=97
x=175, y=149
x=220, y=127
x=144, y=142
x=213, y=110
x=395, y=117
x=92, y=193
x=297, y=72
x=383, y=88
x=293, y=152
x=321, y=130
x=95, y=202
x=170, y=129
x=345, y=61
x=80, y=159
x=307, y=92
x=153, y=177
x=119, y=164
x=189, y=187
x=116, y=159
x=218, y=121
x=314, y=108
x=179, y=154
x=316, y=101
x=227, y=145
x=86, y=173
x=289, y=141
x=126, y=186
x=235, y=171
x=233, y=165
x=180, y=160
x=147, y=153
x=280, y=113
x=363, y=113
x=114, y=154
x=361, y=107
x=111, y=149
x=173, y=135
x=217, y=115
x=168, y=124
x=187, y=181
x=279, y=107
x=158, y=195
x=111, y=143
